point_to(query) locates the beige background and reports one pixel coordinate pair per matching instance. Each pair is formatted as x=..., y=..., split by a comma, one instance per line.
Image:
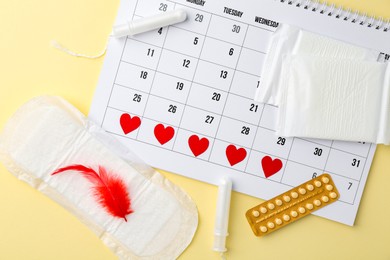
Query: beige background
x=34, y=227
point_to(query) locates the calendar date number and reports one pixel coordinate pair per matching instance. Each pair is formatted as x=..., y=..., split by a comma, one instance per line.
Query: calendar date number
x=163, y=7
x=137, y=98
x=172, y=109
x=236, y=28
x=253, y=108
x=144, y=74
x=281, y=141
x=317, y=151
x=355, y=163
x=245, y=130
x=199, y=18
x=209, y=119
x=216, y=96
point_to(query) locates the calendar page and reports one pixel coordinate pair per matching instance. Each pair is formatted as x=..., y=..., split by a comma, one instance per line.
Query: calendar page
x=181, y=97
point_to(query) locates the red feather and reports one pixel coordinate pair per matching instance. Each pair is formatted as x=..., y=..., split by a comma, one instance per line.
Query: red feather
x=110, y=191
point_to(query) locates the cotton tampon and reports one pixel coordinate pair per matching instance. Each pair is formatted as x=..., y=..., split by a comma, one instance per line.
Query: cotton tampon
x=222, y=215
x=149, y=23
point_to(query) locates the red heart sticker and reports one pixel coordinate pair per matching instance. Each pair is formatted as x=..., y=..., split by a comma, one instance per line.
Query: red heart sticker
x=270, y=167
x=129, y=123
x=198, y=146
x=163, y=134
x=235, y=155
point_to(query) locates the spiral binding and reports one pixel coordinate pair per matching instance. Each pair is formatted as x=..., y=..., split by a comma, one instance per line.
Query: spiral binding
x=340, y=13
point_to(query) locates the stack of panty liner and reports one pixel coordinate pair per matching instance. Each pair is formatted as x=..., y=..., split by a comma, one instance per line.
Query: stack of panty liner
x=325, y=88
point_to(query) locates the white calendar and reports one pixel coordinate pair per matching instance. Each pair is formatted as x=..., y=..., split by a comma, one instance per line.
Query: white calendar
x=182, y=99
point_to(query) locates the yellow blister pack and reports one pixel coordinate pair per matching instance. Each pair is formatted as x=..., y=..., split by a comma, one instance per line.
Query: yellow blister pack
x=292, y=205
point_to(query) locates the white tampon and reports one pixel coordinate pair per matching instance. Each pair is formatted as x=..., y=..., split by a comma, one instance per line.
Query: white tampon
x=149, y=23
x=222, y=215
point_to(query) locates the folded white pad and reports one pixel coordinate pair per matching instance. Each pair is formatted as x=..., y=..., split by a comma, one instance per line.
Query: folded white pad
x=48, y=133
x=337, y=99
x=290, y=40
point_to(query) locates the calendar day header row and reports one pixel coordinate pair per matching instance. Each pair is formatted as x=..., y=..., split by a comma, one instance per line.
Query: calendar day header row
x=198, y=18
x=232, y=11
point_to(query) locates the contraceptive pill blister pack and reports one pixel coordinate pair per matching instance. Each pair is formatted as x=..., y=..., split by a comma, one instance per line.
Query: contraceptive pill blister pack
x=292, y=205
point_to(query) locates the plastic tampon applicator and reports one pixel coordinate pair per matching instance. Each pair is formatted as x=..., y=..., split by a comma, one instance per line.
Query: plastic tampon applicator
x=222, y=215
x=149, y=23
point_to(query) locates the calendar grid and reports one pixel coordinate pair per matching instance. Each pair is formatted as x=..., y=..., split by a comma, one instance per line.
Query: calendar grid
x=204, y=11
x=253, y=125
x=334, y=148
x=198, y=58
x=313, y=142
x=360, y=179
x=211, y=37
x=193, y=77
x=327, y=158
x=360, y=156
x=254, y=139
x=288, y=157
x=222, y=165
x=245, y=171
x=255, y=75
x=230, y=85
x=238, y=54
x=154, y=76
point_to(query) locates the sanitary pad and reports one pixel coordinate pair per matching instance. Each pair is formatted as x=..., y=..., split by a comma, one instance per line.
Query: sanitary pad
x=333, y=98
x=289, y=40
x=47, y=134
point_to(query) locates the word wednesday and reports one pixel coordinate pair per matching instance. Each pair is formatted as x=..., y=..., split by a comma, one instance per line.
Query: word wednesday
x=262, y=20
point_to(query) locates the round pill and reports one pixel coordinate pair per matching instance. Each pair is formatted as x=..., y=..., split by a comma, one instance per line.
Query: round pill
x=317, y=202
x=310, y=187
x=325, y=198
x=318, y=184
x=286, y=198
x=286, y=217
x=278, y=202
x=270, y=224
x=278, y=221
x=263, y=210
x=301, y=210
x=294, y=194
x=325, y=180
x=309, y=206
x=329, y=187
x=302, y=191
x=294, y=214
x=333, y=195
x=255, y=213
x=271, y=205
x=263, y=229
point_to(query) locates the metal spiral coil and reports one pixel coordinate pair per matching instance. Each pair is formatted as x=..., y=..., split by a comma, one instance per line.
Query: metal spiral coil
x=332, y=10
